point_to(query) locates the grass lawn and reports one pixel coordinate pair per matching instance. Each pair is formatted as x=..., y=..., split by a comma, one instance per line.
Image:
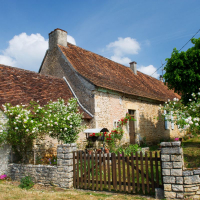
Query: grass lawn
x=191, y=151
x=9, y=190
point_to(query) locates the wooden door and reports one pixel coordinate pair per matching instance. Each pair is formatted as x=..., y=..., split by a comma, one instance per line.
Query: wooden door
x=132, y=127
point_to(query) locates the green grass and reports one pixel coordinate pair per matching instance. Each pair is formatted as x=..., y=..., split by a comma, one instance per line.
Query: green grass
x=191, y=151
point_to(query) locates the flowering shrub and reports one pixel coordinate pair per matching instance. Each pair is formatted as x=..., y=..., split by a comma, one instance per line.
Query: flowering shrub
x=28, y=122
x=63, y=121
x=2, y=177
x=117, y=134
x=96, y=134
x=186, y=116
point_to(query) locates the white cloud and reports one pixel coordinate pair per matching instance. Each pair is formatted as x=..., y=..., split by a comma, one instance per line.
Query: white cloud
x=71, y=40
x=27, y=51
x=122, y=47
x=149, y=70
x=122, y=60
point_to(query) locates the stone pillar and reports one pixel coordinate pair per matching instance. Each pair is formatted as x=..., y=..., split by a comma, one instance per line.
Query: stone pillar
x=65, y=165
x=172, y=169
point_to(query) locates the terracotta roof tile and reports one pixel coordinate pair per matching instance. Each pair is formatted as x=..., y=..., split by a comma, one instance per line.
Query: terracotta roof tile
x=108, y=74
x=21, y=86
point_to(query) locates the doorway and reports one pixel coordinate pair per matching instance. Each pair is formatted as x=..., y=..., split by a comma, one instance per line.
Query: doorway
x=132, y=127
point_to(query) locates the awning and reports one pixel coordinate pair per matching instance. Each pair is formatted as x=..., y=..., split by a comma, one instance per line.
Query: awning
x=96, y=130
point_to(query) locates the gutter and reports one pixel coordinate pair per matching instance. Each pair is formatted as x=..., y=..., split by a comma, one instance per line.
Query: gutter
x=77, y=98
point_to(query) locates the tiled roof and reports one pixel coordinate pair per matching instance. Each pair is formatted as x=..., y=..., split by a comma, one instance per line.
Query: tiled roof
x=108, y=74
x=21, y=86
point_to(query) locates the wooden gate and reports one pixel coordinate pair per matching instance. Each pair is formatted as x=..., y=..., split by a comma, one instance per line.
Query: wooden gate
x=134, y=174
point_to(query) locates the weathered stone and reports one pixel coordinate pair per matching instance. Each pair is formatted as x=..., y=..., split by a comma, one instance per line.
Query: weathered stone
x=68, y=156
x=196, y=197
x=177, y=188
x=167, y=187
x=166, y=165
x=196, y=172
x=187, y=173
x=192, y=179
x=171, y=150
x=176, y=158
x=198, y=192
x=176, y=144
x=177, y=165
x=165, y=172
x=159, y=193
x=176, y=172
x=191, y=189
x=165, y=157
x=179, y=180
x=179, y=196
x=165, y=144
x=169, y=194
x=188, y=194
x=168, y=179
x=187, y=186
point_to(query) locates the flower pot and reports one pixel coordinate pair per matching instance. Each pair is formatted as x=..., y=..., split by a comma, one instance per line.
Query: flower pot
x=106, y=150
x=89, y=152
x=98, y=151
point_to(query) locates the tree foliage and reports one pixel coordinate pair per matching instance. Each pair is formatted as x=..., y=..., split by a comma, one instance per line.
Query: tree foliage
x=183, y=70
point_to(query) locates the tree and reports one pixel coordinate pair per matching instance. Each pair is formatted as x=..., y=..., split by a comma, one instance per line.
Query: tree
x=183, y=71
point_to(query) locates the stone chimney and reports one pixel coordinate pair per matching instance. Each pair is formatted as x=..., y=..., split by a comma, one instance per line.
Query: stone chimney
x=133, y=66
x=58, y=36
x=161, y=78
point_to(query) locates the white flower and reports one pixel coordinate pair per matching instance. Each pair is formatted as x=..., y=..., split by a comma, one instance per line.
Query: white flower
x=70, y=126
x=31, y=121
x=56, y=123
x=190, y=122
x=168, y=100
x=1, y=131
x=16, y=128
x=196, y=124
x=190, y=99
x=27, y=130
x=65, y=128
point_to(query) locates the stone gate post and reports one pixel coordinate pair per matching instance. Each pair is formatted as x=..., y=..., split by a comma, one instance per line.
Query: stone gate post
x=172, y=169
x=65, y=165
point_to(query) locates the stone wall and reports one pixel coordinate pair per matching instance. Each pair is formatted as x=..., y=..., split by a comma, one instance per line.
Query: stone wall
x=60, y=175
x=4, y=149
x=178, y=183
x=111, y=106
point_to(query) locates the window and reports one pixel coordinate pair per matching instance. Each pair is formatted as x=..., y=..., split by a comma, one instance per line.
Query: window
x=116, y=123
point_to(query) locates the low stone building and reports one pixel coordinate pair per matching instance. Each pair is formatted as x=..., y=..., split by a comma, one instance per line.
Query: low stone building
x=20, y=86
x=109, y=90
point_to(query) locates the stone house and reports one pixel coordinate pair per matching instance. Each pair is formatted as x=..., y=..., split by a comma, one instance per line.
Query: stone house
x=21, y=86
x=108, y=90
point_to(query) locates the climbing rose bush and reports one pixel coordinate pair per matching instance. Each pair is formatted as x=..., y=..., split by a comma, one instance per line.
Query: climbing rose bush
x=63, y=121
x=27, y=122
x=187, y=117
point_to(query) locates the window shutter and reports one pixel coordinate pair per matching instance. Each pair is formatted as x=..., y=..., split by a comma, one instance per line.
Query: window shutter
x=172, y=122
x=166, y=122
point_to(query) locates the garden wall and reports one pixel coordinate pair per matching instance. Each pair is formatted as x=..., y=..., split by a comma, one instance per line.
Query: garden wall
x=60, y=175
x=178, y=183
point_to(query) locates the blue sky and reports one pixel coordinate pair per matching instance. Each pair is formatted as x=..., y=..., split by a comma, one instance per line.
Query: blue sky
x=144, y=31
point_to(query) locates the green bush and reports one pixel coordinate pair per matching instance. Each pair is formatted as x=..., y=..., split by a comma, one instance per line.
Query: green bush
x=26, y=182
x=133, y=148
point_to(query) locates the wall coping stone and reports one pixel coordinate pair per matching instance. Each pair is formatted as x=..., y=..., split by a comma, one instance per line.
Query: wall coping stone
x=170, y=144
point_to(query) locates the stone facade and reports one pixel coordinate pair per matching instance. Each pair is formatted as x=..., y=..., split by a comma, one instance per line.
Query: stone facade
x=111, y=106
x=60, y=175
x=178, y=184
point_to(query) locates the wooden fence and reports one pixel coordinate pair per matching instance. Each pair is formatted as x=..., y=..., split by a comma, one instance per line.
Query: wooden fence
x=135, y=174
